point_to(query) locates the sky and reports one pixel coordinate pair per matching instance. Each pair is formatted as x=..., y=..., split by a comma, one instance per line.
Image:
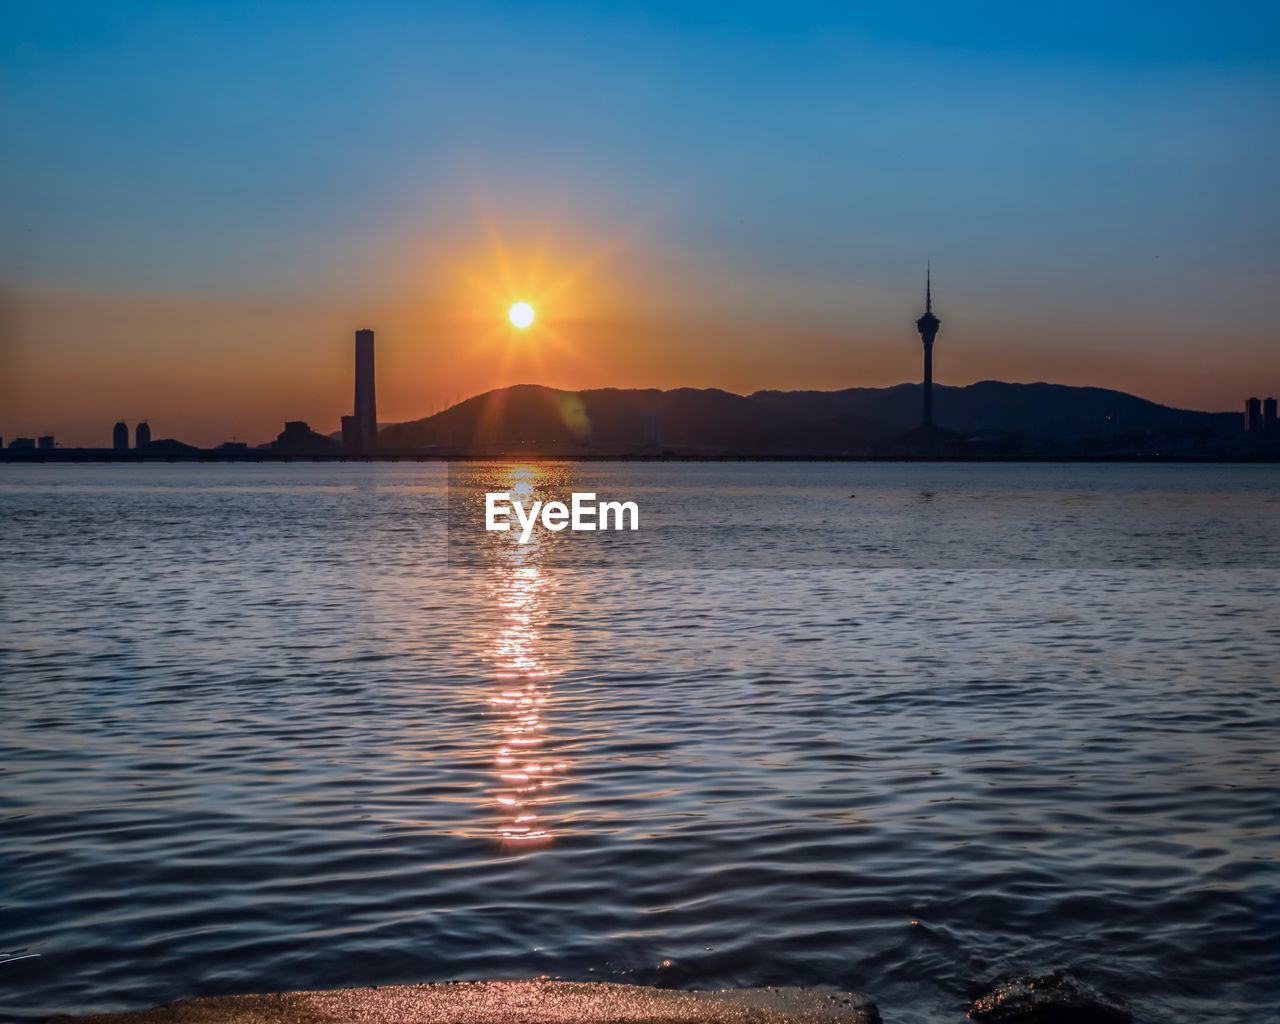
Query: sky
x=204, y=201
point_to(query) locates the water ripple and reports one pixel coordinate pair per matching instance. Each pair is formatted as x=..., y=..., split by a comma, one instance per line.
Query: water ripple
x=257, y=731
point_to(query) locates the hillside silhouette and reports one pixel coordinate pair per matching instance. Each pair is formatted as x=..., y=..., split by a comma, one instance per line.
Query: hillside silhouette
x=989, y=415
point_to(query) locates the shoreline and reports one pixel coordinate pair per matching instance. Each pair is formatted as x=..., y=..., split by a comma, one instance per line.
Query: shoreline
x=93, y=456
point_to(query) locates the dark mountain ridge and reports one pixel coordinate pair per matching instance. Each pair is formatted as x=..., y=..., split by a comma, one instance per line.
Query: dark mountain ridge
x=991, y=406
x=990, y=415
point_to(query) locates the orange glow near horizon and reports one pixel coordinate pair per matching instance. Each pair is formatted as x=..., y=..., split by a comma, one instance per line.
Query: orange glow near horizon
x=551, y=287
x=612, y=309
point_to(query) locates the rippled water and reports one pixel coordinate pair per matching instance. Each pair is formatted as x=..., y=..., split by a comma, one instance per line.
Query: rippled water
x=261, y=727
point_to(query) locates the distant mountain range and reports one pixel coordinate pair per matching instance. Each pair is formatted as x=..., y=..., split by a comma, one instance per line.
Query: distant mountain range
x=991, y=416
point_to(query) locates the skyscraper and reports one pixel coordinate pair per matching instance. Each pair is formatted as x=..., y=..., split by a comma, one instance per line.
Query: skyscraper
x=1253, y=416
x=120, y=436
x=928, y=326
x=1269, y=426
x=366, y=406
x=142, y=435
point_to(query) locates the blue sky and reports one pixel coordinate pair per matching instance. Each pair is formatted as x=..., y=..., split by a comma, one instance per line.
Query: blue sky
x=1079, y=175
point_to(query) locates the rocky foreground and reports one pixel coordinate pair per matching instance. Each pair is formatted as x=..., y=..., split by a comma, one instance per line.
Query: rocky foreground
x=512, y=1002
x=1056, y=998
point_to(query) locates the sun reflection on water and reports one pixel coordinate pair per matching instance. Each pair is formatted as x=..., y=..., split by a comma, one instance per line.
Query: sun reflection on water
x=525, y=770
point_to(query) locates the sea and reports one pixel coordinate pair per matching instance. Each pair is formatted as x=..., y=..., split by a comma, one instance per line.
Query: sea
x=900, y=729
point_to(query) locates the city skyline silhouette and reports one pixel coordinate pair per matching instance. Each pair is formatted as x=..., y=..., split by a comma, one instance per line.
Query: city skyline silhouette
x=1104, y=431
x=686, y=203
x=990, y=419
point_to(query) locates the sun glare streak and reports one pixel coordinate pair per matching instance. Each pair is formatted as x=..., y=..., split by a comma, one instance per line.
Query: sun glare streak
x=547, y=258
x=522, y=269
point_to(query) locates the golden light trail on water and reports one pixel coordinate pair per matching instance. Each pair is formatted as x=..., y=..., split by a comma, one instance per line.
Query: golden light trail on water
x=525, y=772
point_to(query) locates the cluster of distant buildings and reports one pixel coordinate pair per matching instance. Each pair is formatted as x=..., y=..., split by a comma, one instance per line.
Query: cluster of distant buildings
x=119, y=439
x=120, y=436
x=1260, y=418
x=42, y=443
x=359, y=430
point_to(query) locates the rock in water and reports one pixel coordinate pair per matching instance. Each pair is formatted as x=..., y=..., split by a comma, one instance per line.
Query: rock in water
x=1055, y=998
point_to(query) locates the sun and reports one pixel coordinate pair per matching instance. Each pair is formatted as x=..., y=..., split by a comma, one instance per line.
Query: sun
x=520, y=314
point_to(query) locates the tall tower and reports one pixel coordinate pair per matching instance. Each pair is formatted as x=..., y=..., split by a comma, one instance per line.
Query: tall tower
x=120, y=436
x=928, y=325
x=366, y=408
x=142, y=435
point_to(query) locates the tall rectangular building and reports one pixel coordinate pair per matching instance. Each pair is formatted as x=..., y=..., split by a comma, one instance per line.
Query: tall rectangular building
x=1253, y=416
x=1269, y=426
x=366, y=407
